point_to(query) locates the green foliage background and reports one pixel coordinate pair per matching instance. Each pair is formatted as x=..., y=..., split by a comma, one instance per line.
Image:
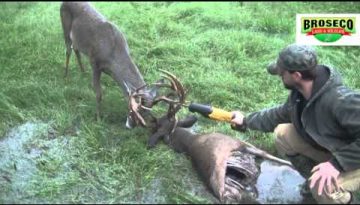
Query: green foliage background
x=219, y=50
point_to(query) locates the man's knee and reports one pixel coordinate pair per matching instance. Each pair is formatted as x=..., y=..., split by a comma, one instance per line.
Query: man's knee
x=282, y=141
x=281, y=130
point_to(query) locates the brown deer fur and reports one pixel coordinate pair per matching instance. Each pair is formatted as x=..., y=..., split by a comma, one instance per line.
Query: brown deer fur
x=208, y=152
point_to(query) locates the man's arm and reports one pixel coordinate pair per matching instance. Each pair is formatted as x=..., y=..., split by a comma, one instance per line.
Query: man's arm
x=265, y=120
x=347, y=113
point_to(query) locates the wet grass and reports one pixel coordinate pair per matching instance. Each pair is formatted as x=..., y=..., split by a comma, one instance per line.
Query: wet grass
x=218, y=50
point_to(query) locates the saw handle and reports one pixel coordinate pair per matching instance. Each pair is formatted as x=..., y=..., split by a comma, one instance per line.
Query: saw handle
x=221, y=115
x=211, y=112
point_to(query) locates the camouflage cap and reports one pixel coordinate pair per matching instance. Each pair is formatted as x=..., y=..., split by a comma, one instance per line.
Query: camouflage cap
x=294, y=58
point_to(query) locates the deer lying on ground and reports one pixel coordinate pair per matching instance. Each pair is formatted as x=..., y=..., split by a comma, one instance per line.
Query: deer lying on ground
x=226, y=164
x=87, y=31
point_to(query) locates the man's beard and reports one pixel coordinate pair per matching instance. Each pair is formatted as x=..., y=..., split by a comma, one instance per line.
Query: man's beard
x=289, y=87
x=294, y=86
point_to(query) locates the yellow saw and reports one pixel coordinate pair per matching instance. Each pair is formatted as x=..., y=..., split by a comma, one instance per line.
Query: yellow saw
x=211, y=112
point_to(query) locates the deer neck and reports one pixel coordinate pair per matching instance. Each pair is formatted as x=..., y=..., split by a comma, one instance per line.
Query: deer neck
x=181, y=139
x=126, y=74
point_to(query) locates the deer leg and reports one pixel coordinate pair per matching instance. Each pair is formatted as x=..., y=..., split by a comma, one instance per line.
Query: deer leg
x=154, y=138
x=66, y=22
x=78, y=57
x=97, y=88
x=68, y=54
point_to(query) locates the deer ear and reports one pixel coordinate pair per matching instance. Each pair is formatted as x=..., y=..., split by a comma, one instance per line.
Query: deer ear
x=154, y=90
x=128, y=90
x=189, y=121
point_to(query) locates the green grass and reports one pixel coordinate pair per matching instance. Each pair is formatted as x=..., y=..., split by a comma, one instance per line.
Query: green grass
x=218, y=50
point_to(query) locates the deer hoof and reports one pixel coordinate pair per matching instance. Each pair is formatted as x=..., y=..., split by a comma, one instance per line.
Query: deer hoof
x=151, y=144
x=167, y=139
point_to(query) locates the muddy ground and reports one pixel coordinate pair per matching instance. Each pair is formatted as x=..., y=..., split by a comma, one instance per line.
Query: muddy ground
x=25, y=152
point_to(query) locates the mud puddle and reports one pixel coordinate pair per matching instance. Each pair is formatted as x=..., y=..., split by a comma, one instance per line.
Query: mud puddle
x=280, y=185
x=277, y=184
x=24, y=145
x=20, y=152
x=17, y=164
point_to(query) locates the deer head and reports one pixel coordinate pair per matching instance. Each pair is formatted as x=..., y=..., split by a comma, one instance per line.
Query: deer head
x=139, y=104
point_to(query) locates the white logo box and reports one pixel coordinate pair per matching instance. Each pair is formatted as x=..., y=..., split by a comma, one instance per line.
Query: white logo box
x=346, y=40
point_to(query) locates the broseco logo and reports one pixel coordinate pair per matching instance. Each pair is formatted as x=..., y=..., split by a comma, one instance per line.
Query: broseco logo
x=327, y=29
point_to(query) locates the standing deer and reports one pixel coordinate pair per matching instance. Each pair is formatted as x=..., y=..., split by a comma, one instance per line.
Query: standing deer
x=227, y=165
x=87, y=31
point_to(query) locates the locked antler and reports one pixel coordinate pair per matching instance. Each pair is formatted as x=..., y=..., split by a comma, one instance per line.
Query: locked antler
x=135, y=103
x=136, y=97
x=177, y=87
x=166, y=124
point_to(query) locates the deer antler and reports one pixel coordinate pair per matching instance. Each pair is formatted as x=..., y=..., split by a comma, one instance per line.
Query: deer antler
x=136, y=97
x=135, y=102
x=176, y=85
x=166, y=124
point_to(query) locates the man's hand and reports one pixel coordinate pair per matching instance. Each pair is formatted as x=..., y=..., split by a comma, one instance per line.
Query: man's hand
x=238, y=121
x=238, y=118
x=327, y=175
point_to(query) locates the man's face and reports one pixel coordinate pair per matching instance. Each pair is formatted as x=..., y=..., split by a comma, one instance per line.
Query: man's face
x=287, y=79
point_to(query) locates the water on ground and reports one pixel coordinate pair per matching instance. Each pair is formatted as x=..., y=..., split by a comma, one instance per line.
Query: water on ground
x=19, y=162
